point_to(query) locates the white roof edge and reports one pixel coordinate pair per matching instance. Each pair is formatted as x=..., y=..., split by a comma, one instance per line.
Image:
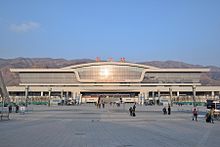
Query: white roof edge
x=180, y=70
x=73, y=67
x=109, y=63
x=79, y=84
x=39, y=70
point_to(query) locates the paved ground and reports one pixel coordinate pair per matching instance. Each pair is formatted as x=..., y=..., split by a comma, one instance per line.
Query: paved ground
x=87, y=126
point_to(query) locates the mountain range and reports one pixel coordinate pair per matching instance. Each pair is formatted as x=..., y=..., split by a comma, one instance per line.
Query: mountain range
x=11, y=79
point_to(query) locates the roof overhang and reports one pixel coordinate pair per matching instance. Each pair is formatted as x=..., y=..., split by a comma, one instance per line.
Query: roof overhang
x=74, y=67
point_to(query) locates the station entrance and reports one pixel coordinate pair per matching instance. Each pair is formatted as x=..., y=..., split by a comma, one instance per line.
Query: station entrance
x=109, y=97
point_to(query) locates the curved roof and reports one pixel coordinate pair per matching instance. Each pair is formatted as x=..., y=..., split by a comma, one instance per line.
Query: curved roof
x=109, y=63
x=144, y=67
x=111, y=71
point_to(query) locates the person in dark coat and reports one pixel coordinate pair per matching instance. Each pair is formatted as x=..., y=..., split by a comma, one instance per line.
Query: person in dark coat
x=195, y=114
x=208, y=117
x=164, y=110
x=130, y=111
x=169, y=110
x=16, y=108
x=134, y=107
x=103, y=104
x=133, y=110
x=10, y=108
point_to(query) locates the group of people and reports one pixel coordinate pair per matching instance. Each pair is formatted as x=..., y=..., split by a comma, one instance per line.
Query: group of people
x=165, y=110
x=10, y=108
x=209, y=117
x=100, y=103
x=132, y=110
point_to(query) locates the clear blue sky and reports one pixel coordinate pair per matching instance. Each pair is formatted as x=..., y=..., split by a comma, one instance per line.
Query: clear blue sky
x=139, y=30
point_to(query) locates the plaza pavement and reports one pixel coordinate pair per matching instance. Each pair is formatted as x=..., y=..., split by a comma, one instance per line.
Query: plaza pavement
x=87, y=126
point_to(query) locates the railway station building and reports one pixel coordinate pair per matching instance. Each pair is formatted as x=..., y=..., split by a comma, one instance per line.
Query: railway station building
x=111, y=81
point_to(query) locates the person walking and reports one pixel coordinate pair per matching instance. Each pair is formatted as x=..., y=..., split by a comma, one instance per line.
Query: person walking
x=169, y=109
x=130, y=111
x=164, y=110
x=103, y=104
x=212, y=115
x=16, y=108
x=195, y=114
x=10, y=108
x=133, y=110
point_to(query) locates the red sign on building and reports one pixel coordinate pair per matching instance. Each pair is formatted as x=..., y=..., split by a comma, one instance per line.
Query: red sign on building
x=97, y=59
x=122, y=59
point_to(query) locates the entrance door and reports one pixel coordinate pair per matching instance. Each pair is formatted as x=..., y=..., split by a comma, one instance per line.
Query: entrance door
x=109, y=97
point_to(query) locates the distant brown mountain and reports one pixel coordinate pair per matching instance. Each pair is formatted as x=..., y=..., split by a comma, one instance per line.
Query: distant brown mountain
x=210, y=78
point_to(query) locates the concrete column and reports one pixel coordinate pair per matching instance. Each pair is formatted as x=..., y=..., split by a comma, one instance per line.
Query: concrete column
x=171, y=96
x=153, y=96
x=178, y=96
x=158, y=91
x=139, y=97
x=41, y=93
x=177, y=93
x=146, y=95
x=49, y=96
x=194, y=95
x=74, y=96
x=61, y=94
x=71, y=94
x=142, y=98
x=213, y=94
x=67, y=94
x=80, y=98
x=26, y=95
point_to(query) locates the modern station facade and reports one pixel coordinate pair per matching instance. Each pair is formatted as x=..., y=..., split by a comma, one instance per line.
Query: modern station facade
x=112, y=80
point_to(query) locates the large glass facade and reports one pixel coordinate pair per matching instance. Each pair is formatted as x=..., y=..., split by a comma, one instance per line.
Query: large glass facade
x=110, y=73
x=167, y=77
x=45, y=78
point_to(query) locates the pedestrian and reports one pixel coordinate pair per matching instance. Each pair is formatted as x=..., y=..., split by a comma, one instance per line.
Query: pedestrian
x=10, y=108
x=164, y=110
x=103, y=104
x=134, y=107
x=169, y=109
x=212, y=115
x=130, y=111
x=195, y=114
x=99, y=102
x=133, y=113
x=16, y=108
x=133, y=110
x=208, y=117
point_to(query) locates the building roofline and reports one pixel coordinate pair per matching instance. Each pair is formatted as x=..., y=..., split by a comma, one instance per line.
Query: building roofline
x=145, y=68
x=109, y=63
